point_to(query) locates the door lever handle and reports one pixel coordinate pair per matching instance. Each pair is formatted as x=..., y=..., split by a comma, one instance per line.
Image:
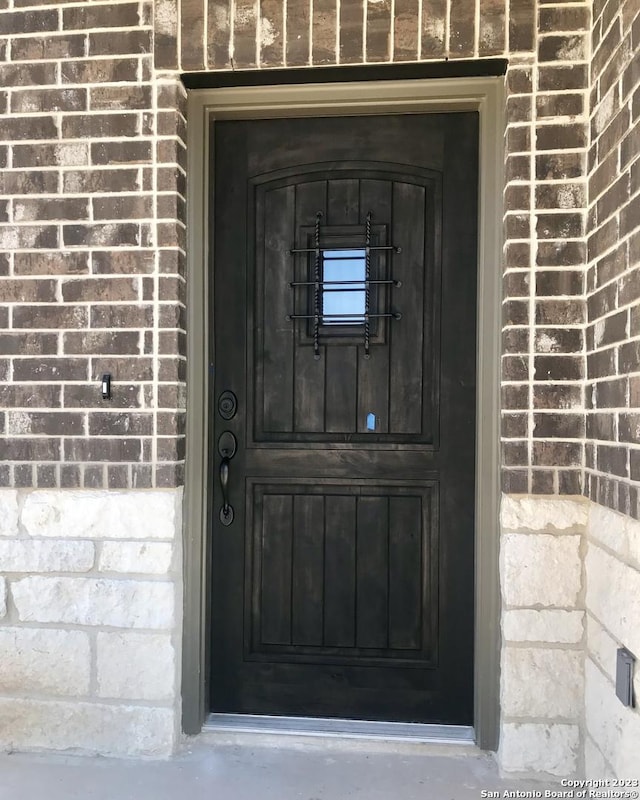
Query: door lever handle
x=227, y=447
x=226, y=512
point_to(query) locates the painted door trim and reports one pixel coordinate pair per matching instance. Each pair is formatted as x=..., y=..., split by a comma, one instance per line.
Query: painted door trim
x=485, y=95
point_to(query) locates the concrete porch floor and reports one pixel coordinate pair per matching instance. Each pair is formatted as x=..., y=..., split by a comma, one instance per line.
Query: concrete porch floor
x=263, y=770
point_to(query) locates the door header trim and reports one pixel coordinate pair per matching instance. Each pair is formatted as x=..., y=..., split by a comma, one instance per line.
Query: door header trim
x=482, y=94
x=416, y=70
x=349, y=98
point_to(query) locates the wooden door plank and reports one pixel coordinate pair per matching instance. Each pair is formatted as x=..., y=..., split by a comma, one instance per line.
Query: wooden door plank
x=275, y=550
x=341, y=374
x=340, y=571
x=278, y=338
x=406, y=334
x=309, y=372
x=343, y=204
x=406, y=572
x=375, y=196
x=341, y=388
x=308, y=570
x=373, y=379
x=309, y=397
x=372, y=571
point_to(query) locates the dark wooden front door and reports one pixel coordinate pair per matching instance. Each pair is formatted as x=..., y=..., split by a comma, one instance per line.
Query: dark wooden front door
x=342, y=559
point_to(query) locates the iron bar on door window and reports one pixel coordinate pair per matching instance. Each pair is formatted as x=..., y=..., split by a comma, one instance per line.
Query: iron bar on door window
x=343, y=283
x=367, y=290
x=316, y=290
x=392, y=314
x=294, y=251
x=320, y=286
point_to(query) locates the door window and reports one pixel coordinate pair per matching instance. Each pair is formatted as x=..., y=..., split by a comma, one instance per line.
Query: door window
x=343, y=286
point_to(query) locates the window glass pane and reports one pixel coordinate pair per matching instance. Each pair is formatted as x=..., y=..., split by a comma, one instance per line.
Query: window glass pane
x=343, y=288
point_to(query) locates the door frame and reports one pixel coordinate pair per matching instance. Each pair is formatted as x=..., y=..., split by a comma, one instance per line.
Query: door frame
x=485, y=95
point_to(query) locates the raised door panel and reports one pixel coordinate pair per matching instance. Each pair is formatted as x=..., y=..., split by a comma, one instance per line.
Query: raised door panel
x=342, y=571
x=304, y=396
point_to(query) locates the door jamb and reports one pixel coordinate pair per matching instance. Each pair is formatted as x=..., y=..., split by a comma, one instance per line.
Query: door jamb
x=485, y=95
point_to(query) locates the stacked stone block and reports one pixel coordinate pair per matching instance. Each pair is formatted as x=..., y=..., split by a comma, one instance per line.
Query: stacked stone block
x=88, y=621
x=613, y=608
x=542, y=686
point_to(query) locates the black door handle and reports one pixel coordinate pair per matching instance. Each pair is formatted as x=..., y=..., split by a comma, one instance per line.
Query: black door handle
x=226, y=512
x=227, y=448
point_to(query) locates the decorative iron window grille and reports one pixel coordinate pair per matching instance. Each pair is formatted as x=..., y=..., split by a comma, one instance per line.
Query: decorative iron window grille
x=347, y=302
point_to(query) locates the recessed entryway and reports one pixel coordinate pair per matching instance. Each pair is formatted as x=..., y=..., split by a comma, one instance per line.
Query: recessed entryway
x=370, y=459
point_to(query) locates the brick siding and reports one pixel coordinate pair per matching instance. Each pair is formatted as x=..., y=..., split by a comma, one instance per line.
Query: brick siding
x=543, y=310
x=92, y=231
x=91, y=234
x=613, y=278
x=195, y=35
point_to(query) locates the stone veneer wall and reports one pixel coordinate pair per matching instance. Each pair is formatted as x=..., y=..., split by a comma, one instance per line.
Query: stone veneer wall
x=612, y=600
x=90, y=621
x=570, y=574
x=92, y=258
x=542, y=686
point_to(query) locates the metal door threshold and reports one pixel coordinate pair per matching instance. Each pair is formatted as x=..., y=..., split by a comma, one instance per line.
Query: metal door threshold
x=340, y=728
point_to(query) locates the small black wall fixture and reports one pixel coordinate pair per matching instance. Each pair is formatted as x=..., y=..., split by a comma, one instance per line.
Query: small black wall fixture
x=624, y=677
x=106, y=386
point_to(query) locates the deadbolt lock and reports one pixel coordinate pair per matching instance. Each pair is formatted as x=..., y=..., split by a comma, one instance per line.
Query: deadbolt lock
x=227, y=405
